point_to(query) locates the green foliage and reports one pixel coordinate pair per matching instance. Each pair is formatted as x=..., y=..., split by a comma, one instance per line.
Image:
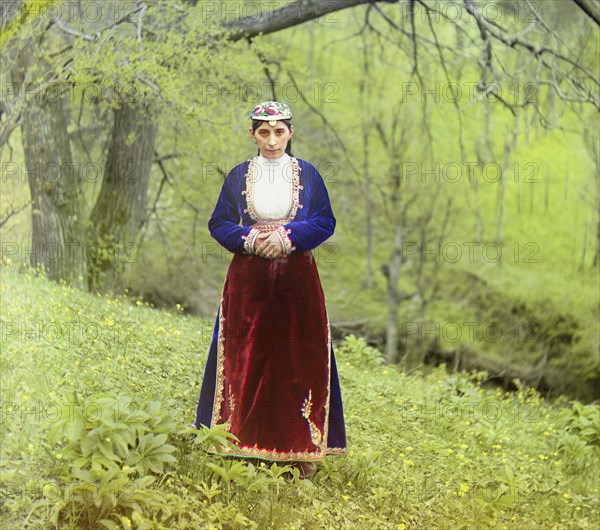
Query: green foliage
x=580, y=438
x=114, y=448
x=214, y=438
x=359, y=352
x=583, y=421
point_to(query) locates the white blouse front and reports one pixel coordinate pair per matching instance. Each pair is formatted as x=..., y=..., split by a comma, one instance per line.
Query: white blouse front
x=272, y=195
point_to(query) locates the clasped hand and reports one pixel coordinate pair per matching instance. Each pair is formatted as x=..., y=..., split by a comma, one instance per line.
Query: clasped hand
x=268, y=245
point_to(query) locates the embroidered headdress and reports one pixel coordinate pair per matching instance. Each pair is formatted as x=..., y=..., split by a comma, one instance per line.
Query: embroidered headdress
x=271, y=111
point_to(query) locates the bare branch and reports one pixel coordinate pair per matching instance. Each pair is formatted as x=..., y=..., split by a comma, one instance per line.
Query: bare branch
x=591, y=8
x=143, y=8
x=74, y=33
x=289, y=15
x=328, y=125
x=461, y=138
x=92, y=38
x=11, y=211
x=516, y=40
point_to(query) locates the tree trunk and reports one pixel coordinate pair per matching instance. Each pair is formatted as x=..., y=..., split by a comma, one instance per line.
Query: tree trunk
x=393, y=298
x=57, y=238
x=120, y=209
x=597, y=254
x=509, y=144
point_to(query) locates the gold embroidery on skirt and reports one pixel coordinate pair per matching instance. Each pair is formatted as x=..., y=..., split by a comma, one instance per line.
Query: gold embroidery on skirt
x=316, y=436
x=231, y=402
x=328, y=400
x=220, y=383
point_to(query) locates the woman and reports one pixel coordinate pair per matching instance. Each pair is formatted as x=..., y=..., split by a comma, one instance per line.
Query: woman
x=271, y=372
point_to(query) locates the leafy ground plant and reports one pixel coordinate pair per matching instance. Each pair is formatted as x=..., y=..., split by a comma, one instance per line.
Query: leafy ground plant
x=111, y=450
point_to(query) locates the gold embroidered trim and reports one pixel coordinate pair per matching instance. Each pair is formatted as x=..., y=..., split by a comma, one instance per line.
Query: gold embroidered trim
x=286, y=242
x=249, y=240
x=270, y=454
x=327, y=401
x=316, y=436
x=336, y=450
x=296, y=187
x=219, y=387
x=231, y=402
x=271, y=224
x=249, y=191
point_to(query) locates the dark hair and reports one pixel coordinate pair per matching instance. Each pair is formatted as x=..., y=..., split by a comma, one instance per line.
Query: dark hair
x=257, y=123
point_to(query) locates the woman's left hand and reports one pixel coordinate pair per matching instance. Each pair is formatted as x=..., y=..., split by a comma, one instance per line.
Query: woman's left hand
x=268, y=245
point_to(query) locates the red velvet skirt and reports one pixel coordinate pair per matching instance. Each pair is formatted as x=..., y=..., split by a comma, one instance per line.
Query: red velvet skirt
x=273, y=359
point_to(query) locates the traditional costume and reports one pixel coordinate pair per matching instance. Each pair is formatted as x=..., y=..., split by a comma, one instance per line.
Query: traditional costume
x=271, y=373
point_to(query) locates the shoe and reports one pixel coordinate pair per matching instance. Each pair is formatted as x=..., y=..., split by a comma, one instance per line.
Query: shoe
x=306, y=468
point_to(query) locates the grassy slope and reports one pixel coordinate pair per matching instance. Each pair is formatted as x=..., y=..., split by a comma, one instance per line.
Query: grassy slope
x=429, y=451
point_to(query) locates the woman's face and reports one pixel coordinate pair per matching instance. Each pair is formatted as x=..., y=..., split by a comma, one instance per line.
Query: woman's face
x=272, y=139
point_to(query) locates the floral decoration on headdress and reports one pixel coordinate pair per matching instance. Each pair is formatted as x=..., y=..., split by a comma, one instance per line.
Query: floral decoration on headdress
x=271, y=111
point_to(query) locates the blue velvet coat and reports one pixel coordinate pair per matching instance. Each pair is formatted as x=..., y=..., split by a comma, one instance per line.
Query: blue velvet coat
x=313, y=223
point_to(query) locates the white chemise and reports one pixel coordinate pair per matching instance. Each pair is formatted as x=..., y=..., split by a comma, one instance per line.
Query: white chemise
x=272, y=195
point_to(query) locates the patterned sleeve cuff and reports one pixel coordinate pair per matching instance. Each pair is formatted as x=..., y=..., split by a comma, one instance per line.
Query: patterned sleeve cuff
x=249, y=241
x=286, y=242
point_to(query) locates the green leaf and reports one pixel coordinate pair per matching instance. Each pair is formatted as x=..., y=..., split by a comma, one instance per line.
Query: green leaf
x=152, y=407
x=106, y=449
x=120, y=444
x=219, y=471
x=87, y=445
x=588, y=431
x=505, y=501
x=83, y=475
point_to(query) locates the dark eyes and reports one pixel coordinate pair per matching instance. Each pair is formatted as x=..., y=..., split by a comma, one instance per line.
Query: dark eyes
x=279, y=132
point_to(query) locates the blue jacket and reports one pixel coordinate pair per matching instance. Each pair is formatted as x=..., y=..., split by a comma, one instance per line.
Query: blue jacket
x=312, y=222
